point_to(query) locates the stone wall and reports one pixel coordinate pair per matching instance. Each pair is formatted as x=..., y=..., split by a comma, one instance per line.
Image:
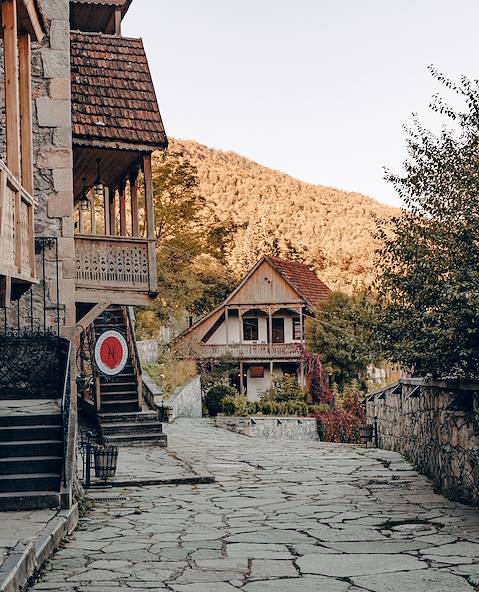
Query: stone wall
x=53, y=166
x=185, y=402
x=436, y=426
x=148, y=351
x=275, y=428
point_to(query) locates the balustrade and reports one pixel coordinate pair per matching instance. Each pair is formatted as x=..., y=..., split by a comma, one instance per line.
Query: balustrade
x=16, y=229
x=251, y=351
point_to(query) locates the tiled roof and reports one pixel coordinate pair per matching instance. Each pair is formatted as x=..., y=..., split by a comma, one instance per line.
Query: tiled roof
x=302, y=278
x=113, y=97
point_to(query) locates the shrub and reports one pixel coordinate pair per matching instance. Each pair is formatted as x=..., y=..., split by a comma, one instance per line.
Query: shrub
x=235, y=405
x=339, y=426
x=215, y=396
x=284, y=389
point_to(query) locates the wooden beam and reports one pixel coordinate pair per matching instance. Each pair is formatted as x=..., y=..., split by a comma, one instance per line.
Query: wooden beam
x=150, y=221
x=26, y=135
x=135, y=221
x=92, y=199
x=35, y=24
x=91, y=316
x=122, y=198
x=10, y=57
x=5, y=290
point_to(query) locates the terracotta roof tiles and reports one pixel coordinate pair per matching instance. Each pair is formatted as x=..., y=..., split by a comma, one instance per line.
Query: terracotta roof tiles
x=302, y=278
x=113, y=97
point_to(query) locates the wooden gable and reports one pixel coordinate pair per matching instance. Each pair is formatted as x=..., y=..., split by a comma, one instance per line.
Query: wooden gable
x=265, y=285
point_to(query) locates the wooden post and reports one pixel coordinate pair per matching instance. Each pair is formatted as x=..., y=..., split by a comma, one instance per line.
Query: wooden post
x=92, y=212
x=24, y=46
x=301, y=332
x=270, y=330
x=106, y=209
x=241, y=379
x=227, y=322
x=241, y=328
x=118, y=22
x=112, y=206
x=122, y=198
x=10, y=56
x=150, y=221
x=18, y=230
x=135, y=222
x=81, y=220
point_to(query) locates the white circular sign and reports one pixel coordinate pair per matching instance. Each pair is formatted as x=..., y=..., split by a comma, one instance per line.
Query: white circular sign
x=111, y=353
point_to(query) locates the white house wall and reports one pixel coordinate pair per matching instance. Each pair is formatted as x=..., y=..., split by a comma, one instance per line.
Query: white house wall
x=234, y=335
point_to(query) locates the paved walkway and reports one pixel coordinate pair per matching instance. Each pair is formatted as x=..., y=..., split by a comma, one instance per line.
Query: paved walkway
x=282, y=517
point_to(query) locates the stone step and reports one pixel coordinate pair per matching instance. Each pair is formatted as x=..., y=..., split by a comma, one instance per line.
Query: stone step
x=129, y=406
x=29, y=420
x=140, y=417
x=119, y=387
x=30, y=464
x=30, y=482
x=31, y=448
x=131, y=428
x=29, y=500
x=30, y=432
x=135, y=439
x=116, y=397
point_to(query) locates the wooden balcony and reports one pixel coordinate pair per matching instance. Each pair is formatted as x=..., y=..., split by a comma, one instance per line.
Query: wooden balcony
x=113, y=268
x=253, y=351
x=17, y=241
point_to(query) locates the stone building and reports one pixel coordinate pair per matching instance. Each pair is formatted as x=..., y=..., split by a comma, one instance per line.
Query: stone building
x=80, y=122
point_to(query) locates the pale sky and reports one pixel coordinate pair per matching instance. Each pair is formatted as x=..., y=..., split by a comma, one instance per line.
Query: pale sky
x=318, y=89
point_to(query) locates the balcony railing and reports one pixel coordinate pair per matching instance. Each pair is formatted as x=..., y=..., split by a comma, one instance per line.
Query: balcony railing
x=114, y=263
x=17, y=241
x=254, y=351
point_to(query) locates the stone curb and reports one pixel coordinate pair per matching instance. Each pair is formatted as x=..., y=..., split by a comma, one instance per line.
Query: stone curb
x=197, y=480
x=26, y=559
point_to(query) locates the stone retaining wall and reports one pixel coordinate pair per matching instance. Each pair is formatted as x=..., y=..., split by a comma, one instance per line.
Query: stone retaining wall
x=436, y=426
x=186, y=401
x=148, y=350
x=275, y=428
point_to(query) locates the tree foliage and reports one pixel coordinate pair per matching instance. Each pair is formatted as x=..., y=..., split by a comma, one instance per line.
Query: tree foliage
x=429, y=283
x=341, y=333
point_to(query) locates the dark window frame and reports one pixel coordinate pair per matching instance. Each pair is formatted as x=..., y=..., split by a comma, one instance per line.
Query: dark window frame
x=250, y=329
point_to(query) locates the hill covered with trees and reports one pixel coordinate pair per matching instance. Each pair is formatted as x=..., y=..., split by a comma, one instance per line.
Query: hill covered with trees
x=331, y=230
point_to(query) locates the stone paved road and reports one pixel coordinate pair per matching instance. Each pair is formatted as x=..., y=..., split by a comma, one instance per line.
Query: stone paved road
x=282, y=517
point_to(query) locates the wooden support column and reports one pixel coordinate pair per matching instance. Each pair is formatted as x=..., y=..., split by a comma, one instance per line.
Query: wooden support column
x=241, y=328
x=241, y=379
x=301, y=320
x=10, y=56
x=135, y=220
x=118, y=22
x=26, y=135
x=122, y=198
x=106, y=209
x=81, y=220
x=270, y=330
x=150, y=221
x=112, y=206
x=92, y=212
x=227, y=322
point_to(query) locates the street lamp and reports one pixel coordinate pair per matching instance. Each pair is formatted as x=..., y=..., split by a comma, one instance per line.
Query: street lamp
x=84, y=201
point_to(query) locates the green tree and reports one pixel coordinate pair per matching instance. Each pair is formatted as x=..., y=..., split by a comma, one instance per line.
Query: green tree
x=341, y=334
x=429, y=280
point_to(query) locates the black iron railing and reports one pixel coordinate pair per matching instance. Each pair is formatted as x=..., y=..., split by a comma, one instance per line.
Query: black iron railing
x=64, y=351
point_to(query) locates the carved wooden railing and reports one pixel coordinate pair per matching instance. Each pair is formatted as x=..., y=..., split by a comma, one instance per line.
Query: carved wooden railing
x=114, y=263
x=251, y=351
x=17, y=241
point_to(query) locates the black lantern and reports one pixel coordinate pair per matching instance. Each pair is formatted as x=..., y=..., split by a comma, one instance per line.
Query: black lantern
x=99, y=186
x=84, y=201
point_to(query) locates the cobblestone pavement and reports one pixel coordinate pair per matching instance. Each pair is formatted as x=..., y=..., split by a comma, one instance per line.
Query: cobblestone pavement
x=282, y=517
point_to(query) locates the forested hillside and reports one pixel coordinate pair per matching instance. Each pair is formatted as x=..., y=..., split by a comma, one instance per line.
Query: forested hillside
x=329, y=229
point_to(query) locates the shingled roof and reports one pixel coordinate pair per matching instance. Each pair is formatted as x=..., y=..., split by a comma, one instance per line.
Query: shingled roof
x=302, y=278
x=113, y=97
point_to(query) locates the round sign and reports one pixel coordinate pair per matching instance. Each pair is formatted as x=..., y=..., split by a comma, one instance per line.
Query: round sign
x=111, y=353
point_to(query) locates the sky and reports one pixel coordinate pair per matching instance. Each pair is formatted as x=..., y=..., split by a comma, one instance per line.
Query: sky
x=319, y=89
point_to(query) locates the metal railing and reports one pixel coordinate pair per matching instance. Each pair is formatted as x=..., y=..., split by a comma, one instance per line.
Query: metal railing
x=64, y=354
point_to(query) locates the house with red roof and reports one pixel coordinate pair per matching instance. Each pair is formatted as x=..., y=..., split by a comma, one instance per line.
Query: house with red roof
x=260, y=324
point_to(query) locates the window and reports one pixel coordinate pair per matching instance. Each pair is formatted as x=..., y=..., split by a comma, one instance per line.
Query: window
x=278, y=330
x=296, y=329
x=256, y=372
x=250, y=330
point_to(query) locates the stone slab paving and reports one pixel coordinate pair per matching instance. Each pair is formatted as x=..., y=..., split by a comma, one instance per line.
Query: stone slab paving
x=16, y=527
x=281, y=517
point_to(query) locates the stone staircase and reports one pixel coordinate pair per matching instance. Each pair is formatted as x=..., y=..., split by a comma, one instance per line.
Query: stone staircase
x=31, y=457
x=122, y=419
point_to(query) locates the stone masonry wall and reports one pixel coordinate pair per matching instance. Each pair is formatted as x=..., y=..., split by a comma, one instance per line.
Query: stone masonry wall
x=275, y=428
x=435, y=426
x=53, y=167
